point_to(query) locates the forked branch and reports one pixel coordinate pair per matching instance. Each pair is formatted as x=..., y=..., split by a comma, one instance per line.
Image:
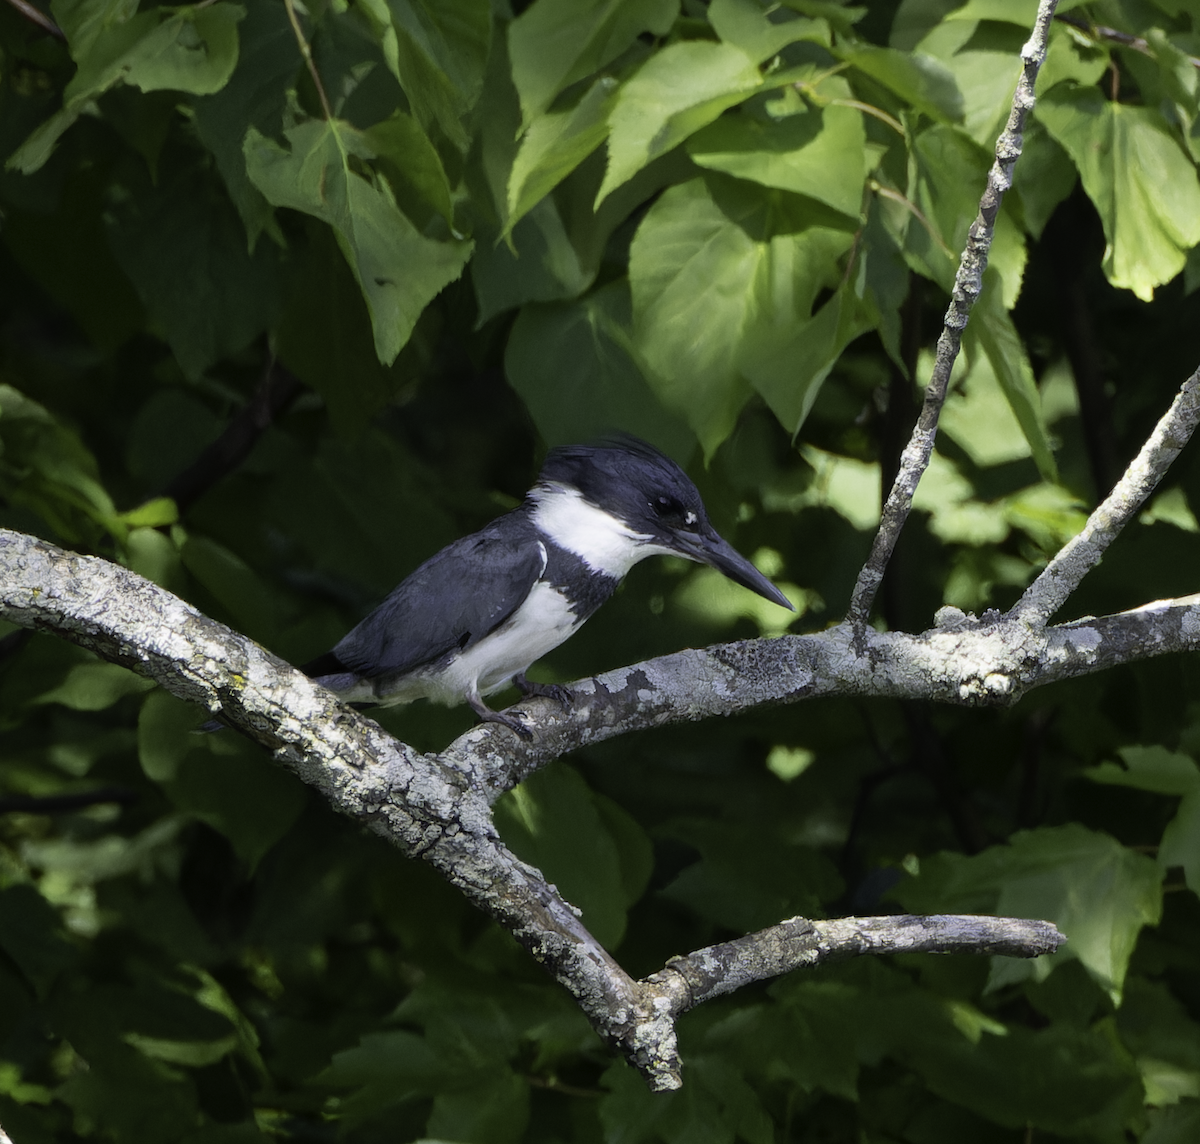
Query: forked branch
x=968, y=283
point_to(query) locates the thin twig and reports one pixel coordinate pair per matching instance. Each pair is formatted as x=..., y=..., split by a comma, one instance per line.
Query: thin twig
x=967, y=285
x=1063, y=574
x=306, y=52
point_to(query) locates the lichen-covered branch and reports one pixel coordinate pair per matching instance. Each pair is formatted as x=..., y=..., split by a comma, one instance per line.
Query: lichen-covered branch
x=438, y=807
x=968, y=283
x=1062, y=575
x=802, y=944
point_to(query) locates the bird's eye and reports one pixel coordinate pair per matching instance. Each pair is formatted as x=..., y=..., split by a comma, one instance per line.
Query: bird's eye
x=670, y=509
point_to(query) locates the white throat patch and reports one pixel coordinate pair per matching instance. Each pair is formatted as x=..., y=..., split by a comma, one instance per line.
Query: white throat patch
x=604, y=543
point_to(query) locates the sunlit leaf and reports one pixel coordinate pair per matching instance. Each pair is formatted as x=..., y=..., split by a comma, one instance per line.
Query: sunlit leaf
x=399, y=270
x=1096, y=891
x=555, y=43
x=820, y=153
x=438, y=50
x=675, y=93
x=1142, y=183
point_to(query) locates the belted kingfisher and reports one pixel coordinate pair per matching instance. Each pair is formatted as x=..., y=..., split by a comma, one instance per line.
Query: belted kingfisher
x=475, y=616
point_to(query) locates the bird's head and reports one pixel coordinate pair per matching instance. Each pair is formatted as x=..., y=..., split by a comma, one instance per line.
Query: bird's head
x=617, y=503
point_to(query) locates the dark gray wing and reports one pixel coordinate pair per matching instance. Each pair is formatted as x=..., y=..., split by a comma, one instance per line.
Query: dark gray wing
x=452, y=601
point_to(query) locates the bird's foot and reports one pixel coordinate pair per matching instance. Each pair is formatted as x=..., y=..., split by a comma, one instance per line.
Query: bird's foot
x=555, y=691
x=508, y=721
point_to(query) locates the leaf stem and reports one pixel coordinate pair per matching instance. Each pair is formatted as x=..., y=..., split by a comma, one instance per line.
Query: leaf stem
x=306, y=52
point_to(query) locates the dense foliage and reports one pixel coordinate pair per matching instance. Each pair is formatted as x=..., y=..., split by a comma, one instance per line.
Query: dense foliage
x=471, y=232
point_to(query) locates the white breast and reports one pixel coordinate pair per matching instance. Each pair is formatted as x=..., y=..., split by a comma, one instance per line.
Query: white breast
x=602, y=541
x=539, y=625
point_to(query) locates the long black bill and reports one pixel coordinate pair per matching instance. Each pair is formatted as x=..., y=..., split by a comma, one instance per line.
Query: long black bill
x=709, y=548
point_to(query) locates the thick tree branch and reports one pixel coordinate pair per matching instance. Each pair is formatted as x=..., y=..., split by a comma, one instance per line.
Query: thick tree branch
x=437, y=807
x=968, y=283
x=1062, y=575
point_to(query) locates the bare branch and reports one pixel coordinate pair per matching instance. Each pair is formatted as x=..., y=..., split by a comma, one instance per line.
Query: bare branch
x=437, y=807
x=802, y=944
x=1063, y=574
x=967, y=284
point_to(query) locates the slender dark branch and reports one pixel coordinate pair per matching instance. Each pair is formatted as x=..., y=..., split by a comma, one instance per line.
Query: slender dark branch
x=276, y=391
x=36, y=16
x=967, y=284
x=1063, y=574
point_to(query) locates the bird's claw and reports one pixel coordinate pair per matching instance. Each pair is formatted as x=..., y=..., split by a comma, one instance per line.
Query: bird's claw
x=556, y=691
x=513, y=724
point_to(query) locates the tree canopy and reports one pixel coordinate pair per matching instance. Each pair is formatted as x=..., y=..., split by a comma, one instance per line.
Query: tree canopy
x=293, y=295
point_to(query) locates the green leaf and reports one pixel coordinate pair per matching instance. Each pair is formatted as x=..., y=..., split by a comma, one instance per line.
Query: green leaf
x=84, y=20
x=383, y=1069
x=1178, y=1124
x=399, y=270
x=255, y=96
x=555, y=43
x=410, y=160
x=714, y=306
x=672, y=95
x=1071, y=55
x=554, y=144
x=1096, y=891
x=787, y=363
x=438, y=50
x=1149, y=768
x=687, y=331
x=224, y=781
x=47, y=469
x=541, y=265
x=153, y=513
x=31, y=935
x=495, y=1108
x=991, y=331
x=1141, y=181
x=745, y=25
x=1047, y=178
x=232, y=582
x=551, y=821
x=165, y=734
x=1180, y=844
x=577, y=371
x=985, y=63
x=96, y=687
x=819, y=153
x=325, y=336
x=194, y=50
x=180, y=49
x=746, y=880
x=922, y=81
x=229, y=297
x=951, y=177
